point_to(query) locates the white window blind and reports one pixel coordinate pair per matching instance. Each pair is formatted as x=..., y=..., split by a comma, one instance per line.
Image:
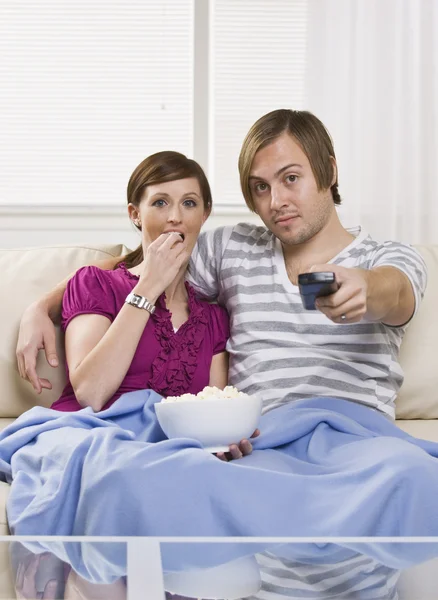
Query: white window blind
x=88, y=88
x=258, y=53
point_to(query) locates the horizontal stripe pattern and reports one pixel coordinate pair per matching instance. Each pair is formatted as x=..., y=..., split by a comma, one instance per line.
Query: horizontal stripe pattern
x=357, y=578
x=283, y=352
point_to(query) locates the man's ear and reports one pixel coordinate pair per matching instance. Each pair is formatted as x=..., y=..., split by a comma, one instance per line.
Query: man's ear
x=335, y=171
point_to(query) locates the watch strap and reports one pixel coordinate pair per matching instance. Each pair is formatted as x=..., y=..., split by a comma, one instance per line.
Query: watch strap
x=140, y=302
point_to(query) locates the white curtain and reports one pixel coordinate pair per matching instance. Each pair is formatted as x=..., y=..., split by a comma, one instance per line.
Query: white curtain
x=372, y=78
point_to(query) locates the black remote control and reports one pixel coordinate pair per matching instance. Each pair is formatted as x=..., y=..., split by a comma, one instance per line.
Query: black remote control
x=314, y=285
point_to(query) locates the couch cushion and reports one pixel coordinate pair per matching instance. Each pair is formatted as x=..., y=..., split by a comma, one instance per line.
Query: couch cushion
x=418, y=398
x=26, y=274
x=4, y=493
x=425, y=429
x=5, y=422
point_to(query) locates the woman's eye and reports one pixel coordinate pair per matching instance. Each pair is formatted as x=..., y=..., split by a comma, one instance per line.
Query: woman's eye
x=189, y=202
x=158, y=203
x=261, y=187
x=291, y=178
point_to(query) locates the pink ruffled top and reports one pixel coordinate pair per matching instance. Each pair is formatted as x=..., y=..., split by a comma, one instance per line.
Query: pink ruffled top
x=169, y=362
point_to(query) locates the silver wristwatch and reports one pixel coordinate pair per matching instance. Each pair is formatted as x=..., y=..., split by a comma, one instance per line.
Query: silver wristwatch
x=140, y=302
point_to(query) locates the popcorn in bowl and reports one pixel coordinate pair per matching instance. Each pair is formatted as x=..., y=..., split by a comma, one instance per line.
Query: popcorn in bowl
x=208, y=393
x=212, y=417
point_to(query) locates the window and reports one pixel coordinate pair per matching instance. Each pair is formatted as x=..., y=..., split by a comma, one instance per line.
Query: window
x=89, y=89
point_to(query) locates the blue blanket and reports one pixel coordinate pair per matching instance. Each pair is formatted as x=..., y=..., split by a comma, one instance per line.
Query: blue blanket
x=105, y=562
x=321, y=467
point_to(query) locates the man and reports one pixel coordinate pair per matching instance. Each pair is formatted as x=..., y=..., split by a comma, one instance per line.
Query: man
x=348, y=348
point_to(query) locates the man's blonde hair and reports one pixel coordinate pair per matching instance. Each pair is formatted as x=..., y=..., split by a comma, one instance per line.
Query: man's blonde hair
x=309, y=133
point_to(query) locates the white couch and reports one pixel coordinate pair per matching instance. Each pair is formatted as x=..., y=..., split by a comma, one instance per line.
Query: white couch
x=27, y=273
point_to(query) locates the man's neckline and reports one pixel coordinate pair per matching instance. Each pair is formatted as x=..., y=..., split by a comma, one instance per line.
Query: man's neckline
x=357, y=231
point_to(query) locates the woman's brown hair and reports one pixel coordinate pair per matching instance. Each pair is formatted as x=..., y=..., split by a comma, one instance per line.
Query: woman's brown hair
x=308, y=131
x=160, y=168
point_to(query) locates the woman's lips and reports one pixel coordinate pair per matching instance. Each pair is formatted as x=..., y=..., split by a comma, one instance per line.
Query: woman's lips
x=178, y=232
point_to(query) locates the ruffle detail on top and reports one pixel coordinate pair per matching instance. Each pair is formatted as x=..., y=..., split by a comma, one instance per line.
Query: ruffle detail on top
x=175, y=365
x=122, y=267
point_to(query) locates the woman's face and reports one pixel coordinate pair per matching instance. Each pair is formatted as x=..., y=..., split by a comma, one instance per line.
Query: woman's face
x=171, y=206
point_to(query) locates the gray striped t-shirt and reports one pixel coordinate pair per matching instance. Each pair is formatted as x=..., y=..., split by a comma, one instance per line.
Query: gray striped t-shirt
x=280, y=350
x=356, y=578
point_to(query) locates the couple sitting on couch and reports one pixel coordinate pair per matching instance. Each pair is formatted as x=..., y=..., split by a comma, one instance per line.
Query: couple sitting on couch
x=135, y=323
x=347, y=349
x=176, y=342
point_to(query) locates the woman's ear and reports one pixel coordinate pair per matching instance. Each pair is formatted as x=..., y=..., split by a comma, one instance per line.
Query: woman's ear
x=207, y=213
x=133, y=213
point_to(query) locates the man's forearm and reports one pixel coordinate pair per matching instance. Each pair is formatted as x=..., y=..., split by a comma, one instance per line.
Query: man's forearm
x=52, y=301
x=390, y=297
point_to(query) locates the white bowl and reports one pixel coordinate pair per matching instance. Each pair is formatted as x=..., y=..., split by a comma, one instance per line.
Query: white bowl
x=236, y=579
x=216, y=423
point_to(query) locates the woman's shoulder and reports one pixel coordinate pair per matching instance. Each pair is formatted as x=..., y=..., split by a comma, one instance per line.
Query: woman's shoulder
x=218, y=324
x=93, y=290
x=216, y=315
x=92, y=281
x=96, y=271
x=90, y=274
x=216, y=310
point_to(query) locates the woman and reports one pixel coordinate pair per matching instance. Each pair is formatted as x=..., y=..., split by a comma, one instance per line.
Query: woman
x=173, y=344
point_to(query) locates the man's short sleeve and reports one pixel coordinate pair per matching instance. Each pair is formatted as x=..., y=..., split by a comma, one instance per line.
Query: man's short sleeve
x=89, y=291
x=408, y=260
x=206, y=259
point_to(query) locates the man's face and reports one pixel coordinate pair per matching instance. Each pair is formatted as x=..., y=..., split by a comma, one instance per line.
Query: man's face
x=285, y=193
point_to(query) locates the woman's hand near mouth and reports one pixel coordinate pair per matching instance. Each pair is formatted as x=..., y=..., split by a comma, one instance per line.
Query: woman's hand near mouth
x=178, y=232
x=163, y=260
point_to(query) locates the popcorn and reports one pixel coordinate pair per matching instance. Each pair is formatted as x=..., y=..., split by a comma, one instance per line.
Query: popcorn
x=208, y=393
